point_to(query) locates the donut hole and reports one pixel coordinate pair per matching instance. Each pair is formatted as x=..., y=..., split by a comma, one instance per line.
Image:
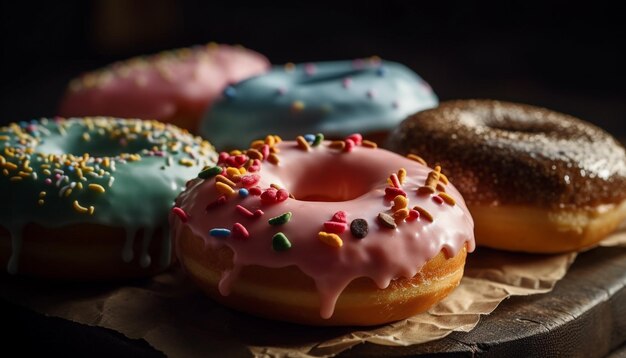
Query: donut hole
x=78, y=141
x=335, y=181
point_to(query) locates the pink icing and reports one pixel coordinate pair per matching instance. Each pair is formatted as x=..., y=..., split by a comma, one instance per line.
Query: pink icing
x=162, y=86
x=358, y=178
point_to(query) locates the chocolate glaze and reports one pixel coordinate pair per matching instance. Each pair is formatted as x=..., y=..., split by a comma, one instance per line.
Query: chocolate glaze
x=500, y=153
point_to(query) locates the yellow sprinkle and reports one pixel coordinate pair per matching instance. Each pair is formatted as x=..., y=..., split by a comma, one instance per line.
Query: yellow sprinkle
x=443, y=179
x=186, y=162
x=254, y=154
x=42, y=194
x=4, y=137
x=401, y=214
x=222, y=179
x=302, y=143
x=3, y=160
x=275, y=186
x=224, y=189
x=23, y=174
x=5, y=172
x=79, y=186
x=68, y=192
x=273, y=158
x=401, y=175
x=399, y=202
x=274, y=150
x=441, y=187
x=337, y=144
x=79, y=172
x=26, y=164
x=423, y=213
x=369, y=144
x=40, y=202
x=297, y=106
x=86, y=137
x=97, y=188
x=416, y=158
x=230, y=172
x=15, y=178
x=105, y=162
x=447, y=198
x=79, y=208
x=277, y=139
x=270, y=140
x=257, y=144
x=10, y=166
x=242, y=170
x=91, y=210
x=329, y=239
x=235, y=152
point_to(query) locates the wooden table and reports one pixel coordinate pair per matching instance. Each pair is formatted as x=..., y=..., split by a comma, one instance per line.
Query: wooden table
x=584, y=316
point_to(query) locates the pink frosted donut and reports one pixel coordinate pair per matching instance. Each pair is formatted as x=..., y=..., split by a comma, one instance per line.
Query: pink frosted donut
x=173, y=86
x=324, y=233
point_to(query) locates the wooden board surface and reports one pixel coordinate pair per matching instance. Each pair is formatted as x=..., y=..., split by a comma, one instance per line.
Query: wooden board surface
x=584, y=316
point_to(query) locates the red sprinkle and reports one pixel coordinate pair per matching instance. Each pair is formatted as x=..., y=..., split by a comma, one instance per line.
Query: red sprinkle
x=222, y=157
x=437, y=199
x=340, y=217
x=182, y=215
x=282, y=195
x=258, y=213
x=335, y=227
x=349, y=145
x=265, y=150
x=243, y=211
x=217, y=202
x=391, y=193
x=239, y=231
x=356, y=138
x=250, y=180
x=269, y=196
x=413, y=215
x=256, y=191
x=394, y=180
x=241, y=159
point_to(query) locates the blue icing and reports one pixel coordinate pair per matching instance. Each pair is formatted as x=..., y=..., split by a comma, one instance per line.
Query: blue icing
x=336, y=98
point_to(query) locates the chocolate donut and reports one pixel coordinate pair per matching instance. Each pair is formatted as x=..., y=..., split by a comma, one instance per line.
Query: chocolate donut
x=504, y=156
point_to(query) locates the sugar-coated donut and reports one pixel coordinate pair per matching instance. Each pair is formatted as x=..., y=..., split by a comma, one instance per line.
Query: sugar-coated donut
x=88, y=198
x=174, y=86
x=324, y=233
x=338, y=98
x=534, y=180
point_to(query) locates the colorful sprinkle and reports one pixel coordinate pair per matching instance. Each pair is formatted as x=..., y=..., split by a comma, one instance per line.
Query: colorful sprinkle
x=369, y=144
x=438, y=200
x=302, y=143
x=309, y=138
x=215, y=203
x=273, y=158
x=391, y=192
x=349, y=145
x=297, y=106
x=219, y=232
x=335, y=227
x=413, y=215
x=359, y=228
x=332, y=240
x=222, y=179
x=340, y=217
x=319, y=138
x=280, y=219
x=243, y=192
x=182, y=215
x=416, y=158
x=240, y=232
x=395, y=181
x=96, y=187
x=255, y=191
x=280, y=242
x=424, y=213
x=337, y=144
x=401, y=175
x=399, y=202
x=401, y=214
x=386, y=220
x=357, y=138
x=224, y=189
x=447, y=199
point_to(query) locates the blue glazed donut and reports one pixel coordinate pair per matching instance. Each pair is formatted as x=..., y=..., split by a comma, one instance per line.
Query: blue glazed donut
x=339, y=98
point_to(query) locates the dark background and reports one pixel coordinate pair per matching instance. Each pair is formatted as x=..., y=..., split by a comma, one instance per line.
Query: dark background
x=555, y=54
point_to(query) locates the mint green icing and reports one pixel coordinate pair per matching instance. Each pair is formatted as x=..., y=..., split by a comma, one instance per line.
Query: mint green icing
x=336, y=98
x=141, y=165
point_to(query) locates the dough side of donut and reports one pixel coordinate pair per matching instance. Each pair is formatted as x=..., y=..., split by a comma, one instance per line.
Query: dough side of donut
x=88, y=252
x=540, y=230
x=288, y=294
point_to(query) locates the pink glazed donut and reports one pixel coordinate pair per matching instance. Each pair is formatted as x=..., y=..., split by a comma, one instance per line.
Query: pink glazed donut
x=174, y=86
x=322, y=233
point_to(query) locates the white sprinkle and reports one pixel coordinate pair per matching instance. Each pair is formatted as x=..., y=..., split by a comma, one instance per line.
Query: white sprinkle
x=111, y=180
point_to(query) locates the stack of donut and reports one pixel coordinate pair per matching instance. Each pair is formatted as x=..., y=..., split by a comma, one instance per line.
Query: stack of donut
x=317, y=230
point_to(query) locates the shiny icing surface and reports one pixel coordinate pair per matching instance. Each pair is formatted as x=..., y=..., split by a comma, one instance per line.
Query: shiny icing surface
x=335, y=98
x=320, y=186
x=114, y=172
x=500, y=153
x=179, y=82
